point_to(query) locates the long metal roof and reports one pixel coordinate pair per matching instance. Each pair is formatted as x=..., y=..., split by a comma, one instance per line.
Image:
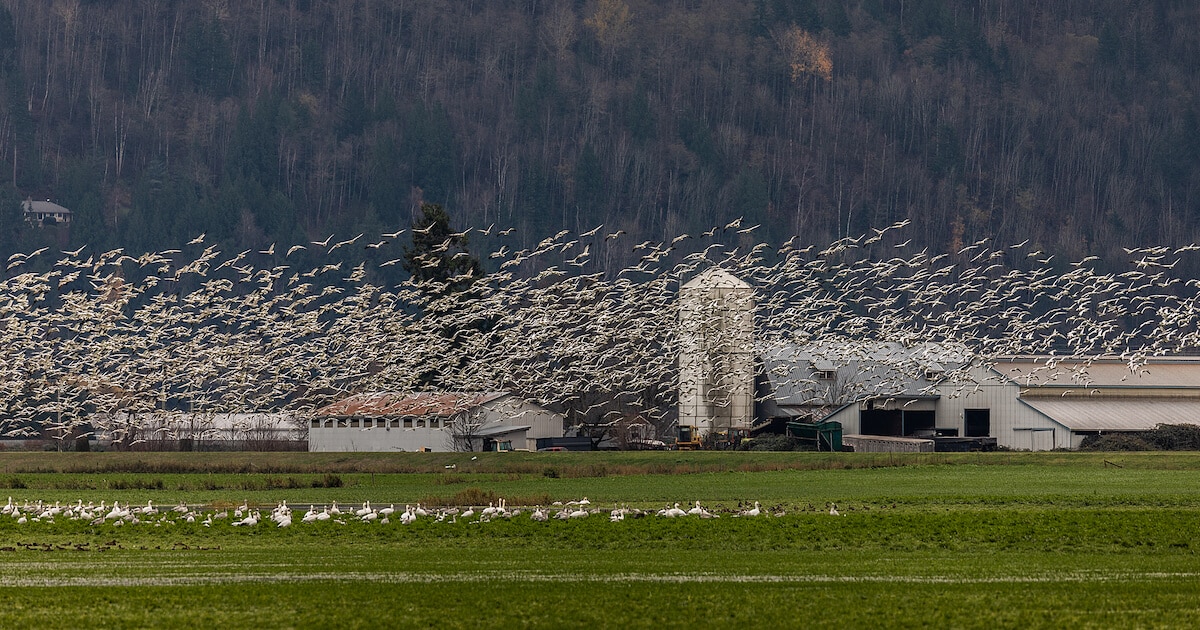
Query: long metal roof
x=442, y=404
x=796, y=374
x=1182, y=372
x=1117, y=414
x=500, y=430
x=48, y=207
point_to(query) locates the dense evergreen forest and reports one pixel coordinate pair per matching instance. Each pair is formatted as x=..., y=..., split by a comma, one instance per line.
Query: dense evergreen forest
x=1070, y=123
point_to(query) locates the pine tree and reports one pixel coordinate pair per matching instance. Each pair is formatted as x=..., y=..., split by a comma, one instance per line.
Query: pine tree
x=439, y=257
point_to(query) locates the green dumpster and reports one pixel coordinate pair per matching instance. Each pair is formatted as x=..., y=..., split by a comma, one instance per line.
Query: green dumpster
x=827, y=435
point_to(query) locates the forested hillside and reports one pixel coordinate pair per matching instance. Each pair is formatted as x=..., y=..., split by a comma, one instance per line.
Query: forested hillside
x=1073, y=124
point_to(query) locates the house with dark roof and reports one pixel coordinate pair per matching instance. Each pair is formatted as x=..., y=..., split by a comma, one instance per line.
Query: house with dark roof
x=47, y=212
x=431, y=421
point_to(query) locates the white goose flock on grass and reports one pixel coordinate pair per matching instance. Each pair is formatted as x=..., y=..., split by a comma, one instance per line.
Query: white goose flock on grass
x=281, y=515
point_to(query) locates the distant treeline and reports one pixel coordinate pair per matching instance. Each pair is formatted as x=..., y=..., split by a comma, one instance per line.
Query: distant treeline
x=1073, y=124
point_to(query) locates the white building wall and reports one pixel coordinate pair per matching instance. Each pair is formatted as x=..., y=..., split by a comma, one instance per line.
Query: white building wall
x=414, y=434
x=515, y=411
x=383, y=435
x=1014, y=424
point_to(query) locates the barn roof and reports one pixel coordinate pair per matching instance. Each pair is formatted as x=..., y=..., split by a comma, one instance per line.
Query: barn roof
x=864, y=370
x=442, y=404
x=1117, y=414
x=1176, y=372
x=500, y=429
x=48, y=207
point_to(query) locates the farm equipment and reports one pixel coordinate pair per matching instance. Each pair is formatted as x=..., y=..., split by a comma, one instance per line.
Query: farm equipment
x=826, y=436
x=689, y=438
x=727, y=440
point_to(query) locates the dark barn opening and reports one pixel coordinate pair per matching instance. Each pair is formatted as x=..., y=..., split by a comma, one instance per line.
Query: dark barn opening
x=894, y=422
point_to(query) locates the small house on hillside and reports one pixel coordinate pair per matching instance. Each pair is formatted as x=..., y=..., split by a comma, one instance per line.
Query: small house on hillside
x=45, y=213
x=434, y=421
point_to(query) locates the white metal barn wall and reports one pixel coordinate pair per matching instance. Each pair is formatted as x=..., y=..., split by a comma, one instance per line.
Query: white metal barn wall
x=1014, y=424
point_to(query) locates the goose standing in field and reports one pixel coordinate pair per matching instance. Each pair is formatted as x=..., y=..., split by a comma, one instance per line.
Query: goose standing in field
x=833, y=511
x=282, y=512
x=755, y=511
x=672, y=511
x=116, y=512
x=248, y=521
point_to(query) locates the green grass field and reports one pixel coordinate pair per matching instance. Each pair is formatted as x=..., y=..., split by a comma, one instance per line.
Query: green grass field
x=973, y=540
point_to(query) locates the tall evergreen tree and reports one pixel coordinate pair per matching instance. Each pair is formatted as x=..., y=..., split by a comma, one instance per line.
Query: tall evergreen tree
x=438, y=255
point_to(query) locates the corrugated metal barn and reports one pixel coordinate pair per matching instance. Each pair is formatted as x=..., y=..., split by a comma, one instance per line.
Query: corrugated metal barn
x=434, y=421
x=1026, y=403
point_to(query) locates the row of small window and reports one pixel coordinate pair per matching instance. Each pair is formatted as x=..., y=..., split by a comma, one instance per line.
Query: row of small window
x=829, y=375
x=371, y=423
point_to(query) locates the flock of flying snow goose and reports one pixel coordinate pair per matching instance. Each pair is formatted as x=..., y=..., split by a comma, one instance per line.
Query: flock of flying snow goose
x=101, y=336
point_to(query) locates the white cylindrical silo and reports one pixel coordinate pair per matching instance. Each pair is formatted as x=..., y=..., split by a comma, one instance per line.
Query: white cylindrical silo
x=716, y=359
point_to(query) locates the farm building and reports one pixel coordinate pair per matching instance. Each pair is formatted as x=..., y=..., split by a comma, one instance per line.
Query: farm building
x=927, y=391
x=474, y=421
x=1028, y=403
x=1077, y=398
x=22, y=434
x=178, y=430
